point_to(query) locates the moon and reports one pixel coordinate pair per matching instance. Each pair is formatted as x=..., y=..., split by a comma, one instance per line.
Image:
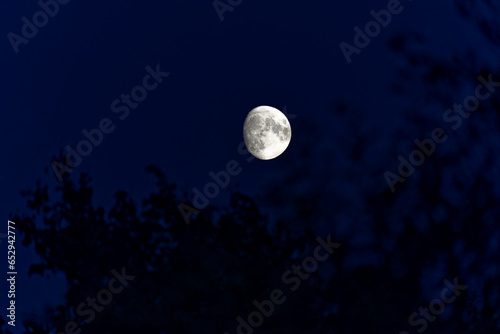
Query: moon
x=267, y=132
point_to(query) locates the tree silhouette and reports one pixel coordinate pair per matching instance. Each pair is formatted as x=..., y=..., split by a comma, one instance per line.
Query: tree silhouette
x=188, y=278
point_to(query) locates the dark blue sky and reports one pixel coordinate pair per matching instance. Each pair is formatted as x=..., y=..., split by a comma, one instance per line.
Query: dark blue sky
x=283, y=53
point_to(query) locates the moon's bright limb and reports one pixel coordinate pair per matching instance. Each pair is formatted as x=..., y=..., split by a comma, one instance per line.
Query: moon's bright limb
x=267, y=132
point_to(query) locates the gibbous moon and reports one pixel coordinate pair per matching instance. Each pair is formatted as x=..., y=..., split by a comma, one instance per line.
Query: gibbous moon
x=267, y=132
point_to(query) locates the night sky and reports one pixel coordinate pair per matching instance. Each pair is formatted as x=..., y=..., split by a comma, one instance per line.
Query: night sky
x=71, y=75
